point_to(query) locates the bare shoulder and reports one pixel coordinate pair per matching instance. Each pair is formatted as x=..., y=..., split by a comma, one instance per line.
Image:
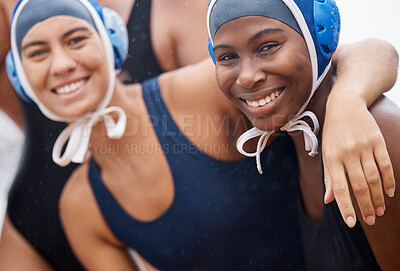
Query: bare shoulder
x=6, y=10
x=384, y=236
x=7, y=7
x=387, y=115
x=88, y=233
x=80, y=214
x=4, y=29
x=76, y=193
x=179, y=32
x=78, y=205
x=194, y=87
x=190, y=7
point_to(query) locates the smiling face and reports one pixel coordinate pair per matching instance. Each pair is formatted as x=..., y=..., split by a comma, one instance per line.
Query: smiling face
x=65, y=63
x=263, y=67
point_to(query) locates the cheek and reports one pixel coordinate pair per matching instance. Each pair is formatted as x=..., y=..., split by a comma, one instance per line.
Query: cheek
x=36, y=79
x=225, y=78
x=92, y=56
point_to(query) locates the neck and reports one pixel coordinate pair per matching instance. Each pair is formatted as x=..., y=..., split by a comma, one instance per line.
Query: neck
x=127, y=100
x=316, y=105
x=310, y=168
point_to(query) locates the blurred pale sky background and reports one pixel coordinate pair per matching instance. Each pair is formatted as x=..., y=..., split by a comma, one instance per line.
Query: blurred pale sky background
x=363, y=19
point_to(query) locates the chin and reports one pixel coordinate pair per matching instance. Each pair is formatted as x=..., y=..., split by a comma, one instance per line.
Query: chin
x=268, y=123
x=73, y=112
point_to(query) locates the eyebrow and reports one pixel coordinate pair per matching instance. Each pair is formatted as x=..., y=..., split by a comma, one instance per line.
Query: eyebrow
x=33, y=43
x=264, y=31
x=222, y=46
x=70, y=32
x=66, y=34
x=253, y=38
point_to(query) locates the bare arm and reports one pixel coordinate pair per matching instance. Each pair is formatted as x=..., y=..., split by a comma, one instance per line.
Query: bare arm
x=369, y=67
x=9, y=101
x=352, y=141
x=16, y=253
x=384, y=236
x=89, y=236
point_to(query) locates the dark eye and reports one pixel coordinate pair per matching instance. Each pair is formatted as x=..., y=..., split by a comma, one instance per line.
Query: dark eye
x=268, y=47
x=76, y=41
x=227, y=57
x=37, y=53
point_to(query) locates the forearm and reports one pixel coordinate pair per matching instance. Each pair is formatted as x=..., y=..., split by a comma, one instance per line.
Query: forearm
x=364, y=70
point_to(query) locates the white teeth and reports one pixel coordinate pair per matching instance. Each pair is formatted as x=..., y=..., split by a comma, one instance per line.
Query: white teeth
x=264, y=101
x=70, y=88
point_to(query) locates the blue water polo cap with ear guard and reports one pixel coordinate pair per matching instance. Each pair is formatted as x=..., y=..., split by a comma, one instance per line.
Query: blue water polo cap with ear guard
x=317, y=21
x=320, y=18
x=34, y=11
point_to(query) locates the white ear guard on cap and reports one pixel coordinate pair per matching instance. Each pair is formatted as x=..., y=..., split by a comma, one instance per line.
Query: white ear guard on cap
x=319, y=23
x=114, y=36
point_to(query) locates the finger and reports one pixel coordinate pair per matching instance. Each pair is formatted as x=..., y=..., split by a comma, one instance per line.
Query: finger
x=341, y=192
x=329, y=196
x=361, y=191
x=385, y=167
x=373, y=179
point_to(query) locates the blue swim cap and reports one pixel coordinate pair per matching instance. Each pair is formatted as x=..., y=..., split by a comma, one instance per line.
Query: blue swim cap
x=36, y=11
x=318, y=21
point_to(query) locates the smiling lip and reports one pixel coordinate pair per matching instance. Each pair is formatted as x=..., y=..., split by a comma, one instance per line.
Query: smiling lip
x=71, y=89
x=263, y=105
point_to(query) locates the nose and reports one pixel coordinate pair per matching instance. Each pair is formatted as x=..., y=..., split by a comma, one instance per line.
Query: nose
x=62, y=62
x=250, y=74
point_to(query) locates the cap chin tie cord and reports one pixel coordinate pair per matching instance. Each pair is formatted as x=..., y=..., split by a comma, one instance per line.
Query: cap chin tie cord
x=78, y=134
x=295, y=124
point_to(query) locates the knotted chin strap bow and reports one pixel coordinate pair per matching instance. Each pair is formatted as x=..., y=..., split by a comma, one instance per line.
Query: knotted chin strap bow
x=295, y=124
x=78, y=134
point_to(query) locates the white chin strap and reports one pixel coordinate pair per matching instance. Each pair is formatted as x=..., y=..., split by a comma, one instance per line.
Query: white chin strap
x=78, y=134
x=295, y=124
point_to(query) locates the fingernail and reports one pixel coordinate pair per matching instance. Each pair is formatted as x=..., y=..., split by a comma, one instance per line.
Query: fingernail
x=325, y=198
x=391, y=192
x=370, y=220
x=350, y=221
x=380, y=211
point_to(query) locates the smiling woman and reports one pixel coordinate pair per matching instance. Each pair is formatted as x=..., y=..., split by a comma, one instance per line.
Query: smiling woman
x=76, y=48
x=286, y=70
x=259, y=54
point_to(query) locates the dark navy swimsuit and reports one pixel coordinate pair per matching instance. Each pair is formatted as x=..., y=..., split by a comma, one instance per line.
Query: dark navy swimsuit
x=225, y=215
x=330, y=245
